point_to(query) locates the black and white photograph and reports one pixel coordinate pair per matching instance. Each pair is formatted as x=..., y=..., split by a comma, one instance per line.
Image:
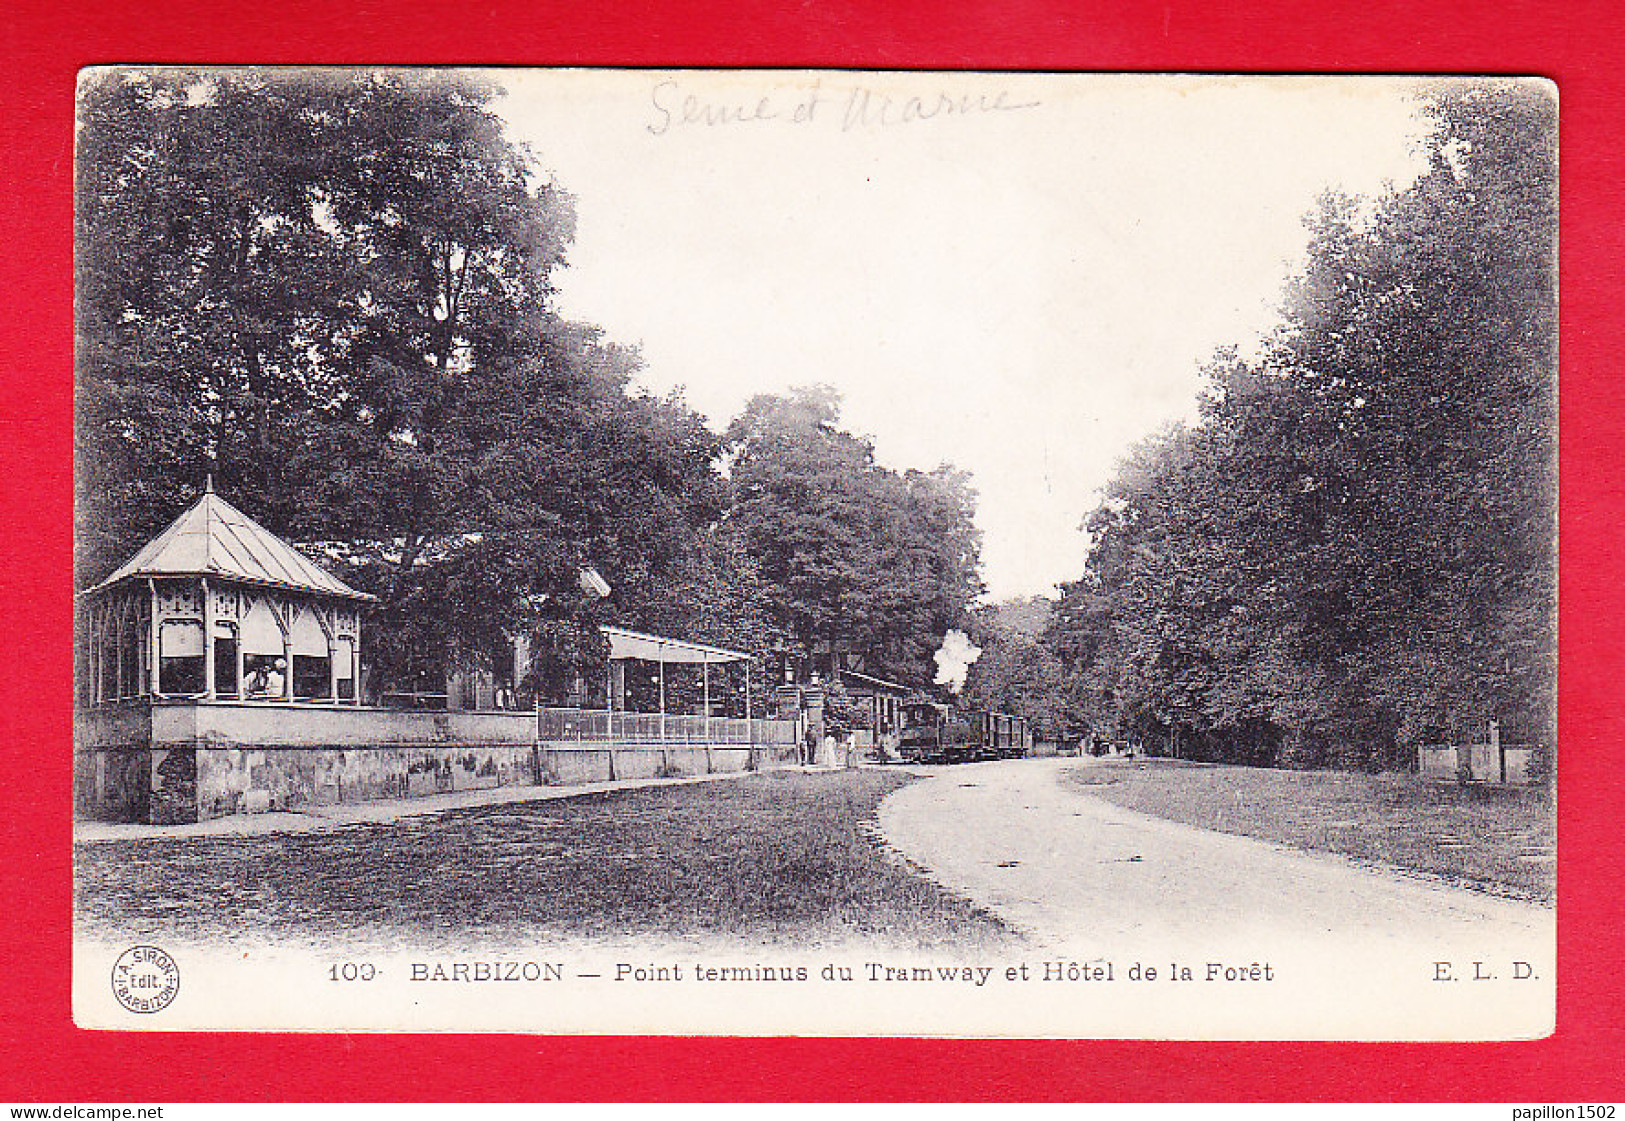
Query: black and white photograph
x=825, y=552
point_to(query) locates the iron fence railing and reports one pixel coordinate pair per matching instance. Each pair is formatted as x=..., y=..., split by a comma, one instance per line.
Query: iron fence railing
x=576, y=725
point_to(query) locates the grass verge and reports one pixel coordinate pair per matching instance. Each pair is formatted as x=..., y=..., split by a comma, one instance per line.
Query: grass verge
x=1496, y=839
x=778, y=858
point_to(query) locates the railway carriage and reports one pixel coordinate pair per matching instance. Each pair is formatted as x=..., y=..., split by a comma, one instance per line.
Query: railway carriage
x=934, y=732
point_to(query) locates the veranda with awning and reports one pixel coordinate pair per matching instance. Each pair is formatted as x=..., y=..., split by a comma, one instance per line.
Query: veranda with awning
x=220, y=671
x=672, y=718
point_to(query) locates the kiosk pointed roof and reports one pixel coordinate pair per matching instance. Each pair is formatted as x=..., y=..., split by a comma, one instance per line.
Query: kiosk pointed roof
x=214, y=538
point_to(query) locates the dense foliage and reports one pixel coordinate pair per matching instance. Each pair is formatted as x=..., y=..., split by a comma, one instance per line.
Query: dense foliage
x=333, y=291
x=1354, y=549
x=1018, y=670
x=857, y=559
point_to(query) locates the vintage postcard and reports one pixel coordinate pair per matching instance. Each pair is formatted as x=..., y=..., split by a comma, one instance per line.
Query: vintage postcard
x=815, y=553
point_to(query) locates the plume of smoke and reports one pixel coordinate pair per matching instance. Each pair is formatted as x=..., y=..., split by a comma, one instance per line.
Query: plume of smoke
x=954, y=659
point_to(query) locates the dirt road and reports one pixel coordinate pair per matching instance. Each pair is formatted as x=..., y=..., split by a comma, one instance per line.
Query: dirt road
x=1066, y=867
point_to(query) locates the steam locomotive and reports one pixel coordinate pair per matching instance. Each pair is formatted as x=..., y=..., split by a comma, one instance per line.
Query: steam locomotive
x=934, y=732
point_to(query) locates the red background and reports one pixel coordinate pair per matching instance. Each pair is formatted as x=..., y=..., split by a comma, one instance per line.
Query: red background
x=43, y=1057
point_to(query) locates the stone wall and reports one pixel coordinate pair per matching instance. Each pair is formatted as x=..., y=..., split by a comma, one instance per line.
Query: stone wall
x=117, y=724
x=289, y=724
x=172, y=785
x=1515, y=765
x=259, y=779
x=1438, y=763
x=112, y=783
x=568, y=764
x=172, y=762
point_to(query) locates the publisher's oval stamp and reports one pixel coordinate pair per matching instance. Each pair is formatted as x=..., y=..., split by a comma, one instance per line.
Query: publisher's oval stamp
x=145, y=979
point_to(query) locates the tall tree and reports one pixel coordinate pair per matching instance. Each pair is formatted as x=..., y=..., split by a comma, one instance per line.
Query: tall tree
x=856, y=559
x=332, y=289
x=1017, y=671
x=1353, y=549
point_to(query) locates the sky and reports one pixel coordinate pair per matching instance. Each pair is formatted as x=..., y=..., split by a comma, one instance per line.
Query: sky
x=1020, y=275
